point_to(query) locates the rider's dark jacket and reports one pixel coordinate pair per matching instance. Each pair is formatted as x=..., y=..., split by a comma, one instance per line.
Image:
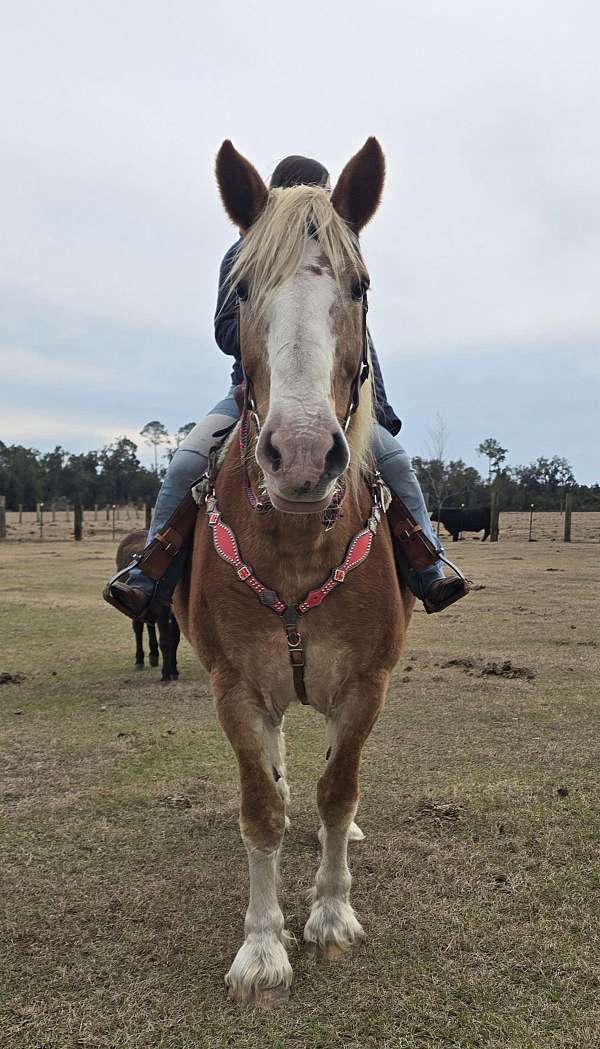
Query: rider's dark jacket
x=227, y=336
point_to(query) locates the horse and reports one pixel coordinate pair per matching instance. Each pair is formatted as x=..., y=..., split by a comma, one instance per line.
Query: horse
x=168, y=628
x=295, y=517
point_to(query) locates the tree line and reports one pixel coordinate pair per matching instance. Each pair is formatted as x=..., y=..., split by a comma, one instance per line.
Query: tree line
x=114, y=474
x=542, y=483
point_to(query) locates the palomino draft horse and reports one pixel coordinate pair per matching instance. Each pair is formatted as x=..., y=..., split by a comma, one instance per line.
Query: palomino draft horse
x=292, y=589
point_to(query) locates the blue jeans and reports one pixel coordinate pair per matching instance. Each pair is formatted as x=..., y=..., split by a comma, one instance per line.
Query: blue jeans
x=191, y=459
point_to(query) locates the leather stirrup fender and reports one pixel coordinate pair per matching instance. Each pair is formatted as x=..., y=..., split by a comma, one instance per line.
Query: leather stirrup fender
x=159, y=554
x=418, y=550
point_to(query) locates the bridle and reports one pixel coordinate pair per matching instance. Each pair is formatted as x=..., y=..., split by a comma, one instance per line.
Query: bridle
x=357, y=551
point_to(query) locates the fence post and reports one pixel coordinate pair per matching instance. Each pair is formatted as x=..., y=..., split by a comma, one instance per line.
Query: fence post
x=2, y=517
x=53, y=508
x=77, y=521
x=494, y=517
x=95, y=511
x=147, y=514
x=114, y=509
x=41, y=519
x=107, y=512
x=20, y=513
x=568, y=508
x=530, y=522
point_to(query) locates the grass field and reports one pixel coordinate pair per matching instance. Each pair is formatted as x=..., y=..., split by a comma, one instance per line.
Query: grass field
x=478, y=883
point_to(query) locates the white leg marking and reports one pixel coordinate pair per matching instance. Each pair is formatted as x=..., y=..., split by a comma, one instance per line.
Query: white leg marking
x=332, y=922
x=261, y=964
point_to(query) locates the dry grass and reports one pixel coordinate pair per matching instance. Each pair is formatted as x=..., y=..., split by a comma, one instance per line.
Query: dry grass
x=478, y=883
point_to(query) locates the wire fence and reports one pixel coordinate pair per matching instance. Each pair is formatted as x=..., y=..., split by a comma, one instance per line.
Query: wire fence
x=111, y=523
x=51, y=525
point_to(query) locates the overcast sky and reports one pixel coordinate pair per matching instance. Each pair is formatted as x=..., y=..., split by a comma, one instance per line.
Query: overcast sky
x=484, y=256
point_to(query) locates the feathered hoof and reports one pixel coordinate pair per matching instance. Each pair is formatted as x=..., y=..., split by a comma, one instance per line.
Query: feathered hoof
x=270, y=998
x=332, y=929
x=261, y=974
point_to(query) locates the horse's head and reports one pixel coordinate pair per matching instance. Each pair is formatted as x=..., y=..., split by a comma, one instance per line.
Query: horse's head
x=300, y=278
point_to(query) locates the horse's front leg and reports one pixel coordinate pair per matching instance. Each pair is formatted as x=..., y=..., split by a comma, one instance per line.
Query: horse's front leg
x=261, y=972
x=333, y=926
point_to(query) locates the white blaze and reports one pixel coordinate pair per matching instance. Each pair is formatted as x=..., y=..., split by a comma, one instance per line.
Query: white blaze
x=301, y=340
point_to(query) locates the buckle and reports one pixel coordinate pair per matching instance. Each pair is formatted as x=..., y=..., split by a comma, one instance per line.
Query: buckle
x=166, y=544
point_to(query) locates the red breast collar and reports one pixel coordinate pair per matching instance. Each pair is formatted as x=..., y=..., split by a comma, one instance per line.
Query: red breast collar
x=359, y=548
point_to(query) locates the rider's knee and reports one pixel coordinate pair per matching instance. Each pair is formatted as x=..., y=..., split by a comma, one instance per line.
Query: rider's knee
x=397, y=461
x=186, y=467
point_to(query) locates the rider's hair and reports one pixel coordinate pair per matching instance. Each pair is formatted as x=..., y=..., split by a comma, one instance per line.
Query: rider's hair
x=298, y=171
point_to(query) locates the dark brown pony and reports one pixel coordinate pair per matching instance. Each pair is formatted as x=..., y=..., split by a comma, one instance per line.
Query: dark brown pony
x=168, y=628
x=301, y=281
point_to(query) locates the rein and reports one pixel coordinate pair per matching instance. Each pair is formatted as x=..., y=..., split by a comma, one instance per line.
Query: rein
x=359, y=548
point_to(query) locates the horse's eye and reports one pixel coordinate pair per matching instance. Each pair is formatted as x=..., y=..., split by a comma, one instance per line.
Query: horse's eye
x=359, y=288
x=242, y=291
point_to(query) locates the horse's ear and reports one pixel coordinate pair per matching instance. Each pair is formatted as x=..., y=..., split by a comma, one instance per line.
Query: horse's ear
x=242, y=190
x=358, y=190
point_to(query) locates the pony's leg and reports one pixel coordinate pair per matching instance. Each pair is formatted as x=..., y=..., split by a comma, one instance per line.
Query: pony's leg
x=175, y=639
x=333, y=926
x=164, y=641
x=261, y=972
x=153, y=645
x=138, y=631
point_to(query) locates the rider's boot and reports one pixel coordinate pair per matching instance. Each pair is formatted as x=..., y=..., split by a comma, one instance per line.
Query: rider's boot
x=420, y=564
x=145, y=588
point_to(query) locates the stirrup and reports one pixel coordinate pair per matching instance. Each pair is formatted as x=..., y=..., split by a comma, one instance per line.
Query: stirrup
x=461, y=591
x=147, y=614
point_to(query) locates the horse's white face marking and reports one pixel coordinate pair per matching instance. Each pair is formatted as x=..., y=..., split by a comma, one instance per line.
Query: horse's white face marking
x=301, y=340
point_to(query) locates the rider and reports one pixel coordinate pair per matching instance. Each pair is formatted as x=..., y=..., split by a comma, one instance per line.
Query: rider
x=141, y=597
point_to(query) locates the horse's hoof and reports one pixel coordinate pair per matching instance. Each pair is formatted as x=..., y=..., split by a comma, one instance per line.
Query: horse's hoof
x=139, y=666
x=260, y=961
x=332, y=929
x=153, y=661
x=272, y=998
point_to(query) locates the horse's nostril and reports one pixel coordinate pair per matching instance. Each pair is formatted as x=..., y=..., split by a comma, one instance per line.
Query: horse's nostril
x=272, y=454
x=337, y=456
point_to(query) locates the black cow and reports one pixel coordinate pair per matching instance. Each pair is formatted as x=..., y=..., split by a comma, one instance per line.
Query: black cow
x=460, y=520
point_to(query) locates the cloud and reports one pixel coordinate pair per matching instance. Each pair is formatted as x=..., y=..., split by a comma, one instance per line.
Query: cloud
x=488, y=236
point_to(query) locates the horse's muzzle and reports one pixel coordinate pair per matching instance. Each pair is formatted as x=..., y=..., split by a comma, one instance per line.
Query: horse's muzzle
x=301, y=464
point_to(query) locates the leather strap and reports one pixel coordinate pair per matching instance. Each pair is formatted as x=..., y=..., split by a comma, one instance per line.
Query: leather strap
x=159, y=554
x=418, y=550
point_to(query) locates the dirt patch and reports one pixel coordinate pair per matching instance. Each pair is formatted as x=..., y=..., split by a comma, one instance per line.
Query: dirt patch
x=436, y=811
x=506, y=669
x=491, y=669
x=11, y=679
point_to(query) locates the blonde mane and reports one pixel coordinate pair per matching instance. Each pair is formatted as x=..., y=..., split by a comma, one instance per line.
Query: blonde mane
x=273, y=248
x=272, y=252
